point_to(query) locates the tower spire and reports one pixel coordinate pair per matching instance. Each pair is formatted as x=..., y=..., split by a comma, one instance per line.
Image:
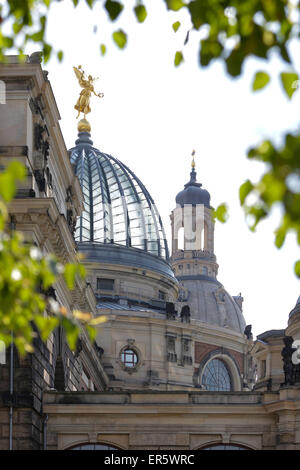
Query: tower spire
x=193, y=172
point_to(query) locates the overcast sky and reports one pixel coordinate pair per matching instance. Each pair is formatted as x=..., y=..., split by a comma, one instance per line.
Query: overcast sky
x=153, y=115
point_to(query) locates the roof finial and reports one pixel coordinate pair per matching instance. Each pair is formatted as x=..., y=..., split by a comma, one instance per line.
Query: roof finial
x=193, y=161
x=83, y=102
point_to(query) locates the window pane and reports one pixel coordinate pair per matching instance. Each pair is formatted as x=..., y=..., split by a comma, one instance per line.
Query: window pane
x=216, y=376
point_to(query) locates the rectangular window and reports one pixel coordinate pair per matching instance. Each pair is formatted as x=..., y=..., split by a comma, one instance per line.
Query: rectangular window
x=105, y=284
x=263, y=369
x=161, y=295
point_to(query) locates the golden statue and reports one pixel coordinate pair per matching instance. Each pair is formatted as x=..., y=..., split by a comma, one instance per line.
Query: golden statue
x=193, y=161
x=83, y=102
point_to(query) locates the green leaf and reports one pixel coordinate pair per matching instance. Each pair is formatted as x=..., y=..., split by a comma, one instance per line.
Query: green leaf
x=174, y=5
x=290, y=83
x=72, y=332
x=17, y=27
x=284, y=53
x=16, y=170
x=60, y=56
x=280, y=235
x=176, y=25
x=234, y=62
x=245, y=189
x=297, y=268
x=120, y=38
x=7, y=187
x=45, y=325
x=256, y=212
x=102, y=49
x=221, y=213
x=113, y=9
x=141, y=13
x=210, y=49
x=47, y=52
x=80, y=270
x=261, y=79
x=92, y=332
x=6, y=42
x=198, y=12
x=69, y=275
x=178, y=58
x=37, y=37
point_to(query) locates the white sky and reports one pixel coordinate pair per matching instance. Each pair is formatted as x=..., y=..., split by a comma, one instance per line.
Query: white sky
x=153, y=115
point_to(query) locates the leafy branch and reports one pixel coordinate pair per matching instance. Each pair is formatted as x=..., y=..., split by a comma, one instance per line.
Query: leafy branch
x=25, y=277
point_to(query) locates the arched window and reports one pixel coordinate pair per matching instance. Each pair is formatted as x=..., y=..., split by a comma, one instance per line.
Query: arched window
x=180, y=238
x=224, y=447
x=216, y=376
x=93, y=447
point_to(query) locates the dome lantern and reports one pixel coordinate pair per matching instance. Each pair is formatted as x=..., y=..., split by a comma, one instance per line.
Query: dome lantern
x=193, y=193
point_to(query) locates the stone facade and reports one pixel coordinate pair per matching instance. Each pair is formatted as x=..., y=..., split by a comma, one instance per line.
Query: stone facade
x=173, y=319
x=175, y=420
x=44, y=210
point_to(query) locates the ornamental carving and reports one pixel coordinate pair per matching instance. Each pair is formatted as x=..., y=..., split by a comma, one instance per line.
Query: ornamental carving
x=220, y=299
x=40, y=179
x=185, y=314
x=183, y=293
x=171, y=344
x=171, y=347
x=291, y=369
x=71, y=220
x=41, y=147
x=186, y=358
x=220, y=295
x=69, y=197
x=39, y=132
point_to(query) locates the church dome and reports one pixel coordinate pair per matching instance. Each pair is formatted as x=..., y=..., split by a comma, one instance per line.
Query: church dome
x=193, y=193
x=118, y=209
x=211, y=303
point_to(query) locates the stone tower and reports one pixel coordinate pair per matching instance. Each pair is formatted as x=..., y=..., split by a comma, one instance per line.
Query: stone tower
x=194, y=261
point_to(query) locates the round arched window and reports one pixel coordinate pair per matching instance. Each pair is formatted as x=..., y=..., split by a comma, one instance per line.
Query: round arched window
x=129, y=358
x=216, y=377
x=225, y=447
x=93, y=447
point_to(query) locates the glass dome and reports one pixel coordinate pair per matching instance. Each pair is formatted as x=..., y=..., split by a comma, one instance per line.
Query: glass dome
x=117, y=207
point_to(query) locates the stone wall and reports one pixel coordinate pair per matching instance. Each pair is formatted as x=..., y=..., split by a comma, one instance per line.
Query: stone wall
x=175, y=420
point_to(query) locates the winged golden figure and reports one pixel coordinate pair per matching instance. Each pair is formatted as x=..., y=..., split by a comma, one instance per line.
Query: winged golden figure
x=87, y=85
